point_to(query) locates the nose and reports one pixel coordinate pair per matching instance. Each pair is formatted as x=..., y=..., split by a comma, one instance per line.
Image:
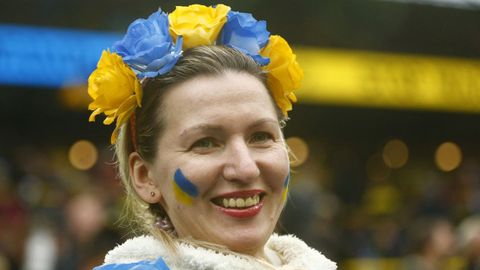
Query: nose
x=239, y=164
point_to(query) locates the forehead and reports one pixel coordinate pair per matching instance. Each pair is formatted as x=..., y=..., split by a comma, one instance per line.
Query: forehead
x=216, y=98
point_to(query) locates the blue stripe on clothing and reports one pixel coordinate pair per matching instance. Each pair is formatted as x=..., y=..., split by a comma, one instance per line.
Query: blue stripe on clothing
x=158, y=264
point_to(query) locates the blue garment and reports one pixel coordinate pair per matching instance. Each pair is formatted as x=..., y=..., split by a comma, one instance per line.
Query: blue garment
x=158, y=264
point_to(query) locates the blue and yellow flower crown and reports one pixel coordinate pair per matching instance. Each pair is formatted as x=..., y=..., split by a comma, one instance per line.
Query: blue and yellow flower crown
x=152, y=46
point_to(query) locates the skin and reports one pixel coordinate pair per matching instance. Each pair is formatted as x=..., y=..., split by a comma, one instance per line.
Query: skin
x=222, y=131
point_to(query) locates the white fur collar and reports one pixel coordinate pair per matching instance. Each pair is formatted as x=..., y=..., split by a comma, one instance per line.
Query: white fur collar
x=294, y=253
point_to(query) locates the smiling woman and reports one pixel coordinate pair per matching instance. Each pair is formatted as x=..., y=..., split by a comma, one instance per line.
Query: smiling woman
x=199, y=142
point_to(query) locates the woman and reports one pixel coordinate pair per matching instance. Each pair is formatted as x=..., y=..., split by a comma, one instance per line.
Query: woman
x=199, y=97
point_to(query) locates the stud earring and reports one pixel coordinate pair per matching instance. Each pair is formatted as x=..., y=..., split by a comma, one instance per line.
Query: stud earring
x=152, y=194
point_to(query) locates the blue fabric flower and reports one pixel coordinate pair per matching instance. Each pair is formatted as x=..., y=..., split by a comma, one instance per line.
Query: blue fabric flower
x=158, y=264
x=244, y=33
x=148, y=48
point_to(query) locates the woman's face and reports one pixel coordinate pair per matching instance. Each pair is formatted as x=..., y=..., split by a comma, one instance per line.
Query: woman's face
x=222, y=165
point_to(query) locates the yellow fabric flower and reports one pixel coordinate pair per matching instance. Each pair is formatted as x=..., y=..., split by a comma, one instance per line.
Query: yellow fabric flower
x=115, y=90
x=198, y=24
x=284, y=73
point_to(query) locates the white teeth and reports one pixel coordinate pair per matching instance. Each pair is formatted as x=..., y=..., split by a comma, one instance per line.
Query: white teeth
x=241, y=202
x=249, y=202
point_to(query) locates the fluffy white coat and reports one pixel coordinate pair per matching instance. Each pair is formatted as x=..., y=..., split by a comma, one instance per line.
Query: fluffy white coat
x=294, y=253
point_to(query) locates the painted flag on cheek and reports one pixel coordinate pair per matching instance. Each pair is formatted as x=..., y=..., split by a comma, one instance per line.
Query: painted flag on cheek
x=285, y=187
x=183, y=188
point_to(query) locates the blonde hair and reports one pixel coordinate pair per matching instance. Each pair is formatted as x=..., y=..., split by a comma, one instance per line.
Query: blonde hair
x=202, y=60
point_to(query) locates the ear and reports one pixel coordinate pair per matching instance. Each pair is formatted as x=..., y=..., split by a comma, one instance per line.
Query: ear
x=142, y=180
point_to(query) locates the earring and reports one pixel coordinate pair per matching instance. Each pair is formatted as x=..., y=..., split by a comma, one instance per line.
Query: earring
x=152, y=194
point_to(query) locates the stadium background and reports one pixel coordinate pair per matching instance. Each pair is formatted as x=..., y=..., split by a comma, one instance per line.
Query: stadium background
x=386, y=130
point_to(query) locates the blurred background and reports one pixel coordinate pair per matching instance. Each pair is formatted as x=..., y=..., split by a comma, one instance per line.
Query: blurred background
x=386, y=131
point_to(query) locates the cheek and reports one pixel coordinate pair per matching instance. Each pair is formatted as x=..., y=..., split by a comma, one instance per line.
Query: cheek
x=187, y=180
x=277, y=172
x=184, y=189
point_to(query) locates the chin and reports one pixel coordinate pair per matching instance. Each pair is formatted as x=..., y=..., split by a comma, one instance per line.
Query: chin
x=249, y=241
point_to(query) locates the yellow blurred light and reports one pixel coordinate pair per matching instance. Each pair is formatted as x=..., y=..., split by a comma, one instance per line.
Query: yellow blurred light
x=376, y=168
x=381, y=199
x=83, y=155
x=74, y=97
x=395, y=153
x=448, y=156
x=361, y=78
x=300, y=149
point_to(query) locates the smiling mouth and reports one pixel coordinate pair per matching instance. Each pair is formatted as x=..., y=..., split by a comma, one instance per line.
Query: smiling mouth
x=237, y=200
x=237, y=203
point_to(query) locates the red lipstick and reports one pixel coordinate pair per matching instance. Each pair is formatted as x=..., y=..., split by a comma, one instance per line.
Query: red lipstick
x=243, y=212
x=246, y=212
x=241, y=193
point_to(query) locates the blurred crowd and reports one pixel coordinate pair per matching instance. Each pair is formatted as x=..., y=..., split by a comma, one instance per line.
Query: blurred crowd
x=53, y=216
x=414, y=218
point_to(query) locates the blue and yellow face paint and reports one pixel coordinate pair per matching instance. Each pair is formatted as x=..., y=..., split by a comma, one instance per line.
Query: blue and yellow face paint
x=285, y=187
x=185, y=191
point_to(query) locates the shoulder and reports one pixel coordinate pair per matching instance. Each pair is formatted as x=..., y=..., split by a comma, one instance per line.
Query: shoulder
x=296, y=254
x=151, y=254
x=145, y=251
x=136, y=249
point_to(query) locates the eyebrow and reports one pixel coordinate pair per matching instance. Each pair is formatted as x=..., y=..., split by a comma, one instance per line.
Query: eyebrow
x=201, y=127
x=263, y=121
x=218, y=128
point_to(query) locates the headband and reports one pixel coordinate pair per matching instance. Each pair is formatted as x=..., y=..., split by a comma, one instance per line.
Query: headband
x=151, y=47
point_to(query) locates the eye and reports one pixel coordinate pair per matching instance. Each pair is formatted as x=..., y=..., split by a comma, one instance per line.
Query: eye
x=261, y=137
x=204, y=144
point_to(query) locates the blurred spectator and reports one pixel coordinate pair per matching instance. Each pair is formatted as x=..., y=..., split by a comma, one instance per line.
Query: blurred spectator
x=431, y=243
x=13, y=222
x=40, y=248
x=468, y=233
x=86, y=237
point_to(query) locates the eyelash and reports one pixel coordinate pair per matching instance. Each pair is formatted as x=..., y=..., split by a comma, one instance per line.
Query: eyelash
x=254, y=139
x=268, y=137
x=198, y=143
